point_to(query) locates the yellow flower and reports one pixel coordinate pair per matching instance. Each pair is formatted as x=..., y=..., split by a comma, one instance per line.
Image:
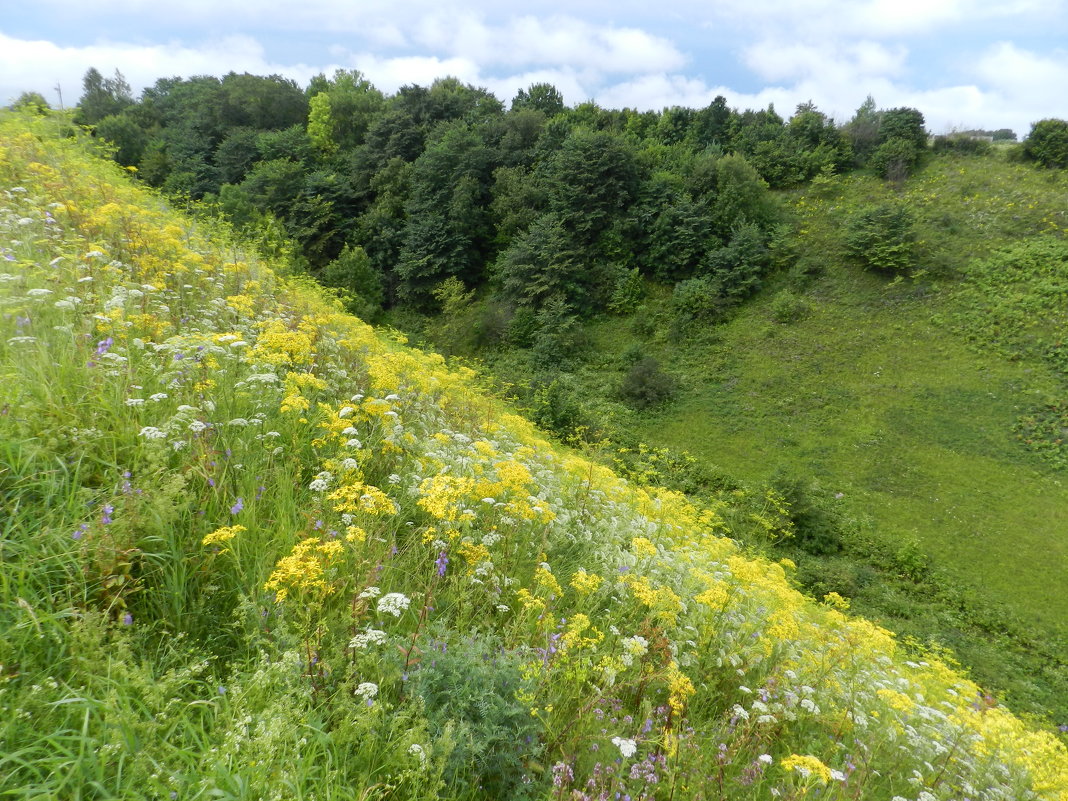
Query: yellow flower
x=221, y=535
x=643, y=547
x=808, y=766
x=585, y=583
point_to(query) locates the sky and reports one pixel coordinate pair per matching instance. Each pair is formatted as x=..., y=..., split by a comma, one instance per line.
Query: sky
x=963, y=63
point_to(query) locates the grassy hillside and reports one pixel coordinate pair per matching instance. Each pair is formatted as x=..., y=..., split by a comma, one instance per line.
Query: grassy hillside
x=925, y=412
x=253, y=549
x=881, y=391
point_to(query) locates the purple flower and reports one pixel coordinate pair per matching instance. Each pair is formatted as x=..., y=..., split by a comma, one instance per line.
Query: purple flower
x=127, y=619
x=106, y=518
x=80, y=531
x=104, y=345
x=237, y=507
x=442, y=562
x=1063, y=728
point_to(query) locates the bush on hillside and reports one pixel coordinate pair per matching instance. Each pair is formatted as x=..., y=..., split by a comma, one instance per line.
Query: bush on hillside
x=646, y=384
x=882, y=238
x=1048, y=143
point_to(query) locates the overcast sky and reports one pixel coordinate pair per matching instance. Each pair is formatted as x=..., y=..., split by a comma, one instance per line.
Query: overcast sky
x=963, y=63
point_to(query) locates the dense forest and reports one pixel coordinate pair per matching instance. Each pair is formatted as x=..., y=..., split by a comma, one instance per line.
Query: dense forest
x=542, y=208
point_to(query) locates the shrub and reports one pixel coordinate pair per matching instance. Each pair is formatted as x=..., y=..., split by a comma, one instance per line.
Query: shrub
x=646, y=384
x=627, y=293
x=471, y=686
x=894, y=158
x=353, y=273
x=882, y=238
x=1048, y=143
x=787, y=307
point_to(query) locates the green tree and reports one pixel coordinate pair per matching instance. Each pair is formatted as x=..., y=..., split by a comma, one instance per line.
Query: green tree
x=353, y=273
x=264, y=103
x=882, y=238
x=449, y=231
x=1047, y=143
x=102, y=97
x=127, y=136
x=347, y=107
x=32, y=102
x=591, y=179
x=543, y=97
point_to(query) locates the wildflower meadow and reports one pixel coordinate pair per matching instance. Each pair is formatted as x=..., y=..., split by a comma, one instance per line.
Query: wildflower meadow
x=251, y=548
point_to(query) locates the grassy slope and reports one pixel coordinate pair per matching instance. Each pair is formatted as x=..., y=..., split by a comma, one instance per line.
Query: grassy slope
x=880, y=393
x=900, y=416
x=211, y=474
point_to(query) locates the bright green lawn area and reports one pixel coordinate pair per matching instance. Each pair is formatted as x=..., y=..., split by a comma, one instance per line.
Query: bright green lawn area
x=896, y=413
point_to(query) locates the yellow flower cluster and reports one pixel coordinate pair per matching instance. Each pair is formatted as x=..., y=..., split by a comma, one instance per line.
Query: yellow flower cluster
x=580, y=633
x=680, y=688
x=360, y=497
x=808, y=766
x=585, y=583
x=278, y=345
x=222, y=535
x=642, y=547
x=442, y=494
x=304, y=570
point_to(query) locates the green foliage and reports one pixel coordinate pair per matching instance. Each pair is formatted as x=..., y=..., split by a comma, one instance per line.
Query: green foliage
x=963, y=143
x=696, y=300
x=102, y=97
x=127, y=136
x=557, y=406
x=882, y=238
x=352, y=272
x=1047, y=143
x=737, y=267
x=627, y=293
x=788, y=307
x=469, y=687
x=558, y=337
x=1044, y=431
x=32, y=102
x=646, y=384
x=894, y=159
x=543, y=97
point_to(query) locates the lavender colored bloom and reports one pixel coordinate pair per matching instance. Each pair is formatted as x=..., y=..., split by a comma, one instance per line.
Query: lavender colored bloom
x=104, y=345
x=127, y=619
x=237, y=507
x=80, y=531
x=442, y=562
x=108, y=509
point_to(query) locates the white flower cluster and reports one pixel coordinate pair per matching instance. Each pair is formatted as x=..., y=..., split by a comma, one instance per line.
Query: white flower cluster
x=366, y=690
x=368, y=638
x=627, y=748
x=393, y=603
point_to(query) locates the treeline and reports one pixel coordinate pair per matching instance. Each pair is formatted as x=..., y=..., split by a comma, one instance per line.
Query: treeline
x=546, y=210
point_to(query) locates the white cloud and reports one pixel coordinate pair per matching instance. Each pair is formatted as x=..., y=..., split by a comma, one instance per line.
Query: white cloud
x=551, y=42
x=1035, y=82
x=39, y=65
x=873, y=19
x=776, y=60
